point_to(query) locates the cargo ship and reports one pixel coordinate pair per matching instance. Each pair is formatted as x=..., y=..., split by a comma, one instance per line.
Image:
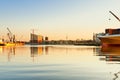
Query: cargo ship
x=11, y=44
x=111, y=37
x=2, y=43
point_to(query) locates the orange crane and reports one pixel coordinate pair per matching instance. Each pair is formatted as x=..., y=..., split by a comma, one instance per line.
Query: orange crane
x=115, y=16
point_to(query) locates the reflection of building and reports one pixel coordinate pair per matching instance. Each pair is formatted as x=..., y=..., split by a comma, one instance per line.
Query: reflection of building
x=35, y=51
x=36, y=38
x=40, y=50
x=46, y=49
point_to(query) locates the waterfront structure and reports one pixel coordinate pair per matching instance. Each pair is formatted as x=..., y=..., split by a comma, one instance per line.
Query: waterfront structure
x=46, y=40
x=12, y=40
x=36, y=39
x=35, y=51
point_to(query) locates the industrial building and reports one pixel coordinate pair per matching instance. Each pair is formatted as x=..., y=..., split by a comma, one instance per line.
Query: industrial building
x=36, y=39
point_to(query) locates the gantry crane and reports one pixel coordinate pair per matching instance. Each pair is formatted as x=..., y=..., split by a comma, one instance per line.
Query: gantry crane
x=115, y=16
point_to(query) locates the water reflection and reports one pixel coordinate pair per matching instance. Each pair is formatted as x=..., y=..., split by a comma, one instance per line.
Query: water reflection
x=11, y=53
x=111, y=53
x=33, y=52
x=55, y=62
x=8, y=51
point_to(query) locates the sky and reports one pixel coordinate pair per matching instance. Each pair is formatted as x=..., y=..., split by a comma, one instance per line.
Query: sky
x=76, y=19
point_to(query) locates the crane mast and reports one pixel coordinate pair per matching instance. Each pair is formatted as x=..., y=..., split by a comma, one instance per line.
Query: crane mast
x=115, y=16
x=10, y=35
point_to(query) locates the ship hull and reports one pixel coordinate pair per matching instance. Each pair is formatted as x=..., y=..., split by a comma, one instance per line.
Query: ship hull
x=110, y=40
x=2, y=44
x=14, y=44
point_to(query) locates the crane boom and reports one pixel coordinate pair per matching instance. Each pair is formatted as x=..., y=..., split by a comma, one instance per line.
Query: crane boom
x=115, y=16
x=9, y=30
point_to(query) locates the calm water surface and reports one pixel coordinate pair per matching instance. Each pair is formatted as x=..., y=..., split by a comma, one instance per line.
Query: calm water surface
x=56, y=62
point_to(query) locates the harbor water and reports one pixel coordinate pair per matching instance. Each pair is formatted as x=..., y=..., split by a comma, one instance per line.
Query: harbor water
x=59, y=62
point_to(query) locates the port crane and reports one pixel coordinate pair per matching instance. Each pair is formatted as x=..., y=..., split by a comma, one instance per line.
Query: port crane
x=114, y=15
x=10, y=35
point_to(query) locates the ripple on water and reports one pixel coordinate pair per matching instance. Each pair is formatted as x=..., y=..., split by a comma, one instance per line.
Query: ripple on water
x=48, y=72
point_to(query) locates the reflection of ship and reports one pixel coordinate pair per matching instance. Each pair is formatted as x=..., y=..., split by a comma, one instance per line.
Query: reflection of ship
x=110, y=53
x=112, y=36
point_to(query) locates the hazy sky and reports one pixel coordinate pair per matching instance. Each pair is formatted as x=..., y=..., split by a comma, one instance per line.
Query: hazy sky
x=58, y=18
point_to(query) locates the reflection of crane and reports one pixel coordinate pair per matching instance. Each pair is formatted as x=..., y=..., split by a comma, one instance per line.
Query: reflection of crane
x=115, y=16
x=11, y=36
